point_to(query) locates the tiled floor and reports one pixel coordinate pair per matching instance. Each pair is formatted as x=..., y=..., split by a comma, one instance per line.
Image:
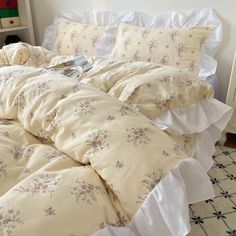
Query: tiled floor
x=217, y=216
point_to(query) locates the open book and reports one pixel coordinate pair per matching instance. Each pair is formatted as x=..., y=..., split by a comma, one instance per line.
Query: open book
x=72, y=68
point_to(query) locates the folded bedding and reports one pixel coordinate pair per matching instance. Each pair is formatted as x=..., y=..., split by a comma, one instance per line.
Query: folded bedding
x=70, y=148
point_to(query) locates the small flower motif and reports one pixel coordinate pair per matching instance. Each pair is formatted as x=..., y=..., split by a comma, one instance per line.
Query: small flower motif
x=6, y=134
x=21, y=102
x=151, y=45
x=3, y=169
x=73, y=35
x=54, y=120
x=226, y=194
x=86, y=192
x=125, y=109
x=180, y=49
x=166, y=79
x=50, y=211
x=231, y=232
x=165, y=154
x=136, y=57
x=22, y=152
x=77, y=50
x=178, y=150
x=54, y=155
x=164, y=60
x=192, y=66
x=111, y=118
x=126, y=42
x=9, y=221
x=119, y=164
x=215, y=181
x=139, y=135
x=95, y=39
x=219, y=215
x=197, y=220
x=83, y=108
x=97, y=140
x=187, y=140
x=150, y=182
x=173, y=35
x=26, y=171
x=42, y=184
x=40, y=88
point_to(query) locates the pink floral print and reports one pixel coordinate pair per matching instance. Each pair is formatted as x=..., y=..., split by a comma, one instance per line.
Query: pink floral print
x=44, y=184
x=180, y=49
x=5, y=134
x=55, y=155
x=178, y=150
x=127, y=41
x=119, y=164
x=151, y=45
x=125, y=109
x=165, y=154
x=86, y=192
x=3, y=169
x=84, y=107
x=187, y=141
x=9, y=220
x=173, y=35
x=22, y=152
x=77, y=50
x=95, y=40
x=54, y=120
x=110, y=118
x=139, y=135
x=97, y=140
x=21, y=102
x=150, y=181
x=50, y=211
x=164, y=60
x=40, y=88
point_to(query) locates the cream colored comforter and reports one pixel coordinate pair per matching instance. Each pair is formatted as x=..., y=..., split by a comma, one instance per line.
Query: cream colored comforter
x=73, y=158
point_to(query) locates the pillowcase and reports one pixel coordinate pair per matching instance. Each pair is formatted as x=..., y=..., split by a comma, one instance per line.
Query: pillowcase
x=172, y=19
x=178, y=47
x=73, y=38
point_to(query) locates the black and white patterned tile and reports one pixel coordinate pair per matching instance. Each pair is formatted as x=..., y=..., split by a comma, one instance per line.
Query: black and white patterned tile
x=217, y=216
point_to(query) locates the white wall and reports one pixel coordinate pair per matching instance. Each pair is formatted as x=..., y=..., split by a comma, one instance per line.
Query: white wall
x=44, y=11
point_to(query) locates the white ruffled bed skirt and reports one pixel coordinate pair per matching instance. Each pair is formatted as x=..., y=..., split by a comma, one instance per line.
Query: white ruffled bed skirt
x=165, y=211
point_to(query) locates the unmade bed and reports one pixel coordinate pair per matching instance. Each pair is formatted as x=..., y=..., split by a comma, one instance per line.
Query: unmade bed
x=121, y=150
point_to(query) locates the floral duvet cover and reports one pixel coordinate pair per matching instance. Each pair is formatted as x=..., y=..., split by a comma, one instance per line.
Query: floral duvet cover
x=73, y=158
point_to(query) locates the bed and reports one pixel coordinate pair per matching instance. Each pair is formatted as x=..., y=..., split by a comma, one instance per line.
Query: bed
x=122, y=149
